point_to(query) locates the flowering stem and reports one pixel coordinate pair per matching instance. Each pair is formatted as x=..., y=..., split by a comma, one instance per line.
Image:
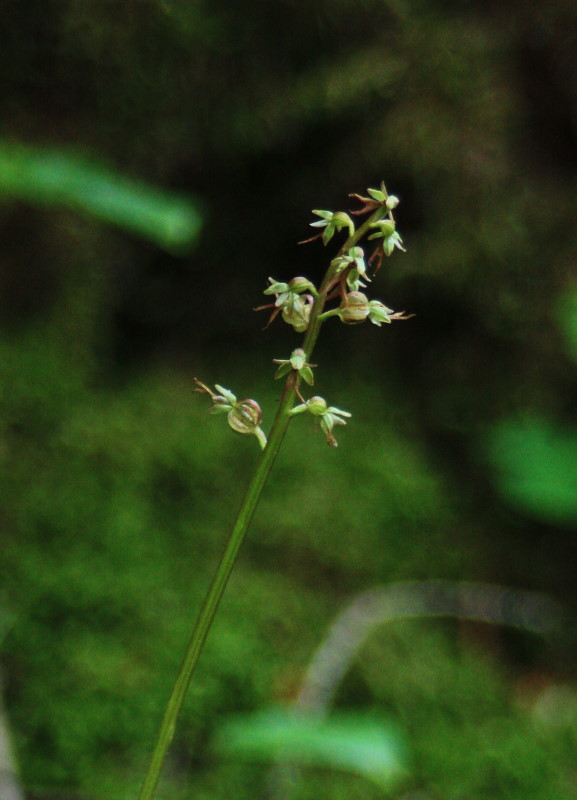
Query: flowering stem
x=231, y=549
x=315, y=321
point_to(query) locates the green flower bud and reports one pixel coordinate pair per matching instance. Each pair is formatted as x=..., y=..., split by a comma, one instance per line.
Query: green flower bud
x=392, y=202
x=298, y=358
x=296, y=362
x=329, y=416
x=317, y=406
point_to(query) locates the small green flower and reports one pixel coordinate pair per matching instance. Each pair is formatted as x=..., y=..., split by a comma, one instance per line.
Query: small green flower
x=386, y=231
x=298, y=362
x=243, y=416
x=332, y=221
x=281, y=290
x=296, y=311
x=352, y=260
x=354, y=257
x=379, y=313
x=329, y=416
x=295, y=308
x=379, y=198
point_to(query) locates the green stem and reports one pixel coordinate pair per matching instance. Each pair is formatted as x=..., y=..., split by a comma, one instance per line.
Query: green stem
x=228, y=558
x=214, y=594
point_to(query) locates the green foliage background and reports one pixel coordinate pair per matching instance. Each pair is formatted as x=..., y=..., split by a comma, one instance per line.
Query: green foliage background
x=459, y=461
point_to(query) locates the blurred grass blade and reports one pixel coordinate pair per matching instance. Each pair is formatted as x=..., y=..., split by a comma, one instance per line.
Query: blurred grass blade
x=349, y=742
x=53, y=177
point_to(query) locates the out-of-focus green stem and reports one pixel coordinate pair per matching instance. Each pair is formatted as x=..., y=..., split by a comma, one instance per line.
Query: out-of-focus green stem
x=245, y=515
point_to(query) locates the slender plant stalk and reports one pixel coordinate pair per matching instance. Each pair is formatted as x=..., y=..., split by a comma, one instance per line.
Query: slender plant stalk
x=213, y=597
x=228, y=558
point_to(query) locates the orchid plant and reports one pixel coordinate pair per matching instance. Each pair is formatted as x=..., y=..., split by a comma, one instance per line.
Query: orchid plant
x=306, y=308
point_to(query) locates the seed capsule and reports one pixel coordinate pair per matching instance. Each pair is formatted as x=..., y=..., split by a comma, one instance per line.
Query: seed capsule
x=245, y=417
x=355, y=309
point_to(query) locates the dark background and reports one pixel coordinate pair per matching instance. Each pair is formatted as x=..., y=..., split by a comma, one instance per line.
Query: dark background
x=459, y=462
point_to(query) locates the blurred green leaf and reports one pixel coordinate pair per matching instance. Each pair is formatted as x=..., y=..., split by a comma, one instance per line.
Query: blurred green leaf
x=536, y=468
x=53, y=177
x=350, y=742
